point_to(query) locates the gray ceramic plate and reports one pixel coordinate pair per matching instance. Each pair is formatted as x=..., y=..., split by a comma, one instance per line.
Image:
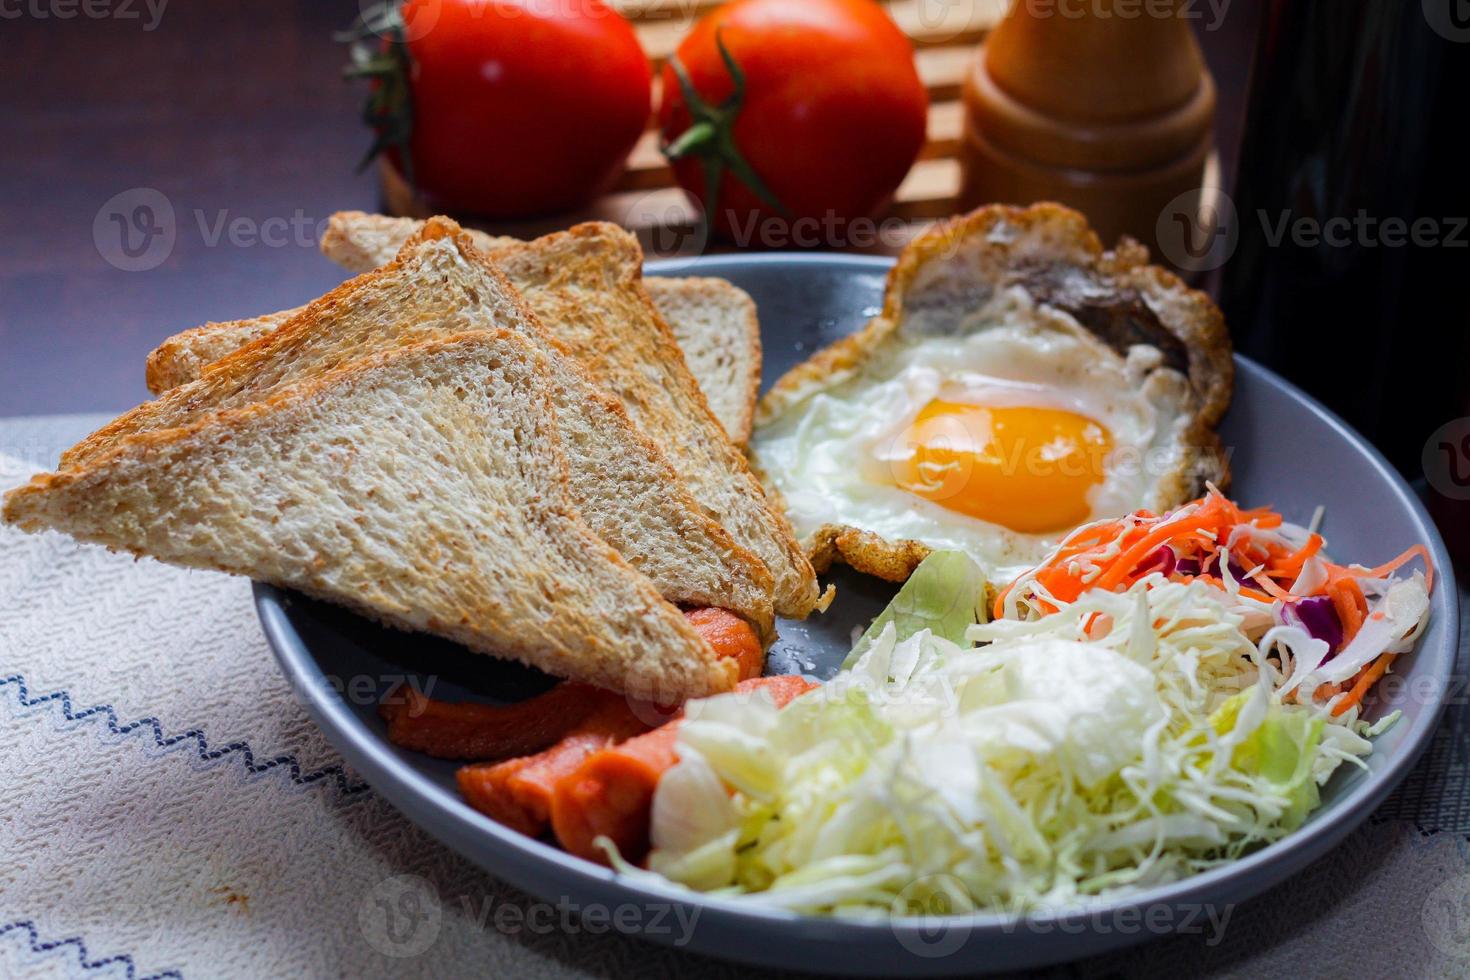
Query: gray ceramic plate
x=1288, y=451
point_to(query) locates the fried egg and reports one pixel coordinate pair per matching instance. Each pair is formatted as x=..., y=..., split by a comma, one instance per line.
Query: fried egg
x=994, y=430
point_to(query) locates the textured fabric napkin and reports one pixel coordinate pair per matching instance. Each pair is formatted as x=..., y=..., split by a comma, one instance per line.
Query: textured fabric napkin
x=170, y=811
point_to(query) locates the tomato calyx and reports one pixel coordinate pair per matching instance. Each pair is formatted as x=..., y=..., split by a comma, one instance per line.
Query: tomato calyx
x=389, y=107
x=710, y=137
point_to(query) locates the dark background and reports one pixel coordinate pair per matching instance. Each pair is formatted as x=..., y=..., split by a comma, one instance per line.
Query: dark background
x=231, y=110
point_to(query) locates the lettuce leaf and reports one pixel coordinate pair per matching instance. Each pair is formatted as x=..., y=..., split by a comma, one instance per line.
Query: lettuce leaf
x=1279, y=752
x=945, y=595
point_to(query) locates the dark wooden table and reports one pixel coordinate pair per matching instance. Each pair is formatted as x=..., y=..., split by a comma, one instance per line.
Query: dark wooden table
x=235, y=113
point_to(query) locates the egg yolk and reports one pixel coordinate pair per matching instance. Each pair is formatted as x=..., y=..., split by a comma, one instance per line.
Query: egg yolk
x=1028, y=469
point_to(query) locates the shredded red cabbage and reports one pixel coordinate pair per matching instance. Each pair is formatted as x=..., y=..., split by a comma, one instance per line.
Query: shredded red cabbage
x=1163, y=561
x=1318, y=617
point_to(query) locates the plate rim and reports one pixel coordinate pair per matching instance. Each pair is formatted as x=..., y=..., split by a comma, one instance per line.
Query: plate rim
x=449, y=819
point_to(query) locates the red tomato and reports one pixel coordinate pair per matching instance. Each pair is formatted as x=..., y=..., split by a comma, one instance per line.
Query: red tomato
x=521, y=107
x=833, y=113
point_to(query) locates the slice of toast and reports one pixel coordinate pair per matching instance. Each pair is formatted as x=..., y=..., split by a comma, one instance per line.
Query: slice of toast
x=422, y=486
x=183, y=357
x=715, y=325
x=441, y=285
x=714, y=322
x=586, y=287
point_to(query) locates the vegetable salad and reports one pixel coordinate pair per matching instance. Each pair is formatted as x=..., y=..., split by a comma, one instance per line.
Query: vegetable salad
x=1161, y=695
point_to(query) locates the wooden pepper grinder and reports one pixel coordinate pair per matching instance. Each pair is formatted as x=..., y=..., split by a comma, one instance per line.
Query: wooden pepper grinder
x=1106, y=107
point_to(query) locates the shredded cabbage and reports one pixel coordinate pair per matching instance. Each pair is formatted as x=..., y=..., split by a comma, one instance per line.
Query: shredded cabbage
x=1127, y=739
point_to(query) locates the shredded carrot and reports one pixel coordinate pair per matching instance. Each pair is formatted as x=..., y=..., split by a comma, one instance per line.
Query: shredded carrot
x=1369, y=676
x=998, y=611
x=1349, y=604
x=1290, y=565
x=1271, y=588
x=1255, y=594
x=1418, y=551
x=1147, y=545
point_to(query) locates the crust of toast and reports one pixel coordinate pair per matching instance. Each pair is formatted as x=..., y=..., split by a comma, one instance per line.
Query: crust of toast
x=423, y=486
x=1052, y=253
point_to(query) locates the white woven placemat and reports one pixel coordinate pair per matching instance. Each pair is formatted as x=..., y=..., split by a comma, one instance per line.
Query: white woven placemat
x=170, y=811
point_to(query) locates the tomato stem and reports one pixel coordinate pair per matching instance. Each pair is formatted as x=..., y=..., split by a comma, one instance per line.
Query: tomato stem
x=389, y=107
x=696, y=135
x=711, y=136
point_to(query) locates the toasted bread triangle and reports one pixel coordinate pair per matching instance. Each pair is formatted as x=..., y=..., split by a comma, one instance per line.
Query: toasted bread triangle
x=586, y=287
x=438, y=286
x=423, y=486
x=719, y=334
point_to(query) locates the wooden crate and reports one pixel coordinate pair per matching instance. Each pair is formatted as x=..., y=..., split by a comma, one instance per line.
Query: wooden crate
x=646, y=199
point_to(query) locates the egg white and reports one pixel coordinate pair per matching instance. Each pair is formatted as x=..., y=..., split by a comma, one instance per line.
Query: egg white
x=826, y=454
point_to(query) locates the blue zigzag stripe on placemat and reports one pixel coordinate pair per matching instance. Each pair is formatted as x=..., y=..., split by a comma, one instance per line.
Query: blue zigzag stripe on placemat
x=337, y=773
x=83, y=957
